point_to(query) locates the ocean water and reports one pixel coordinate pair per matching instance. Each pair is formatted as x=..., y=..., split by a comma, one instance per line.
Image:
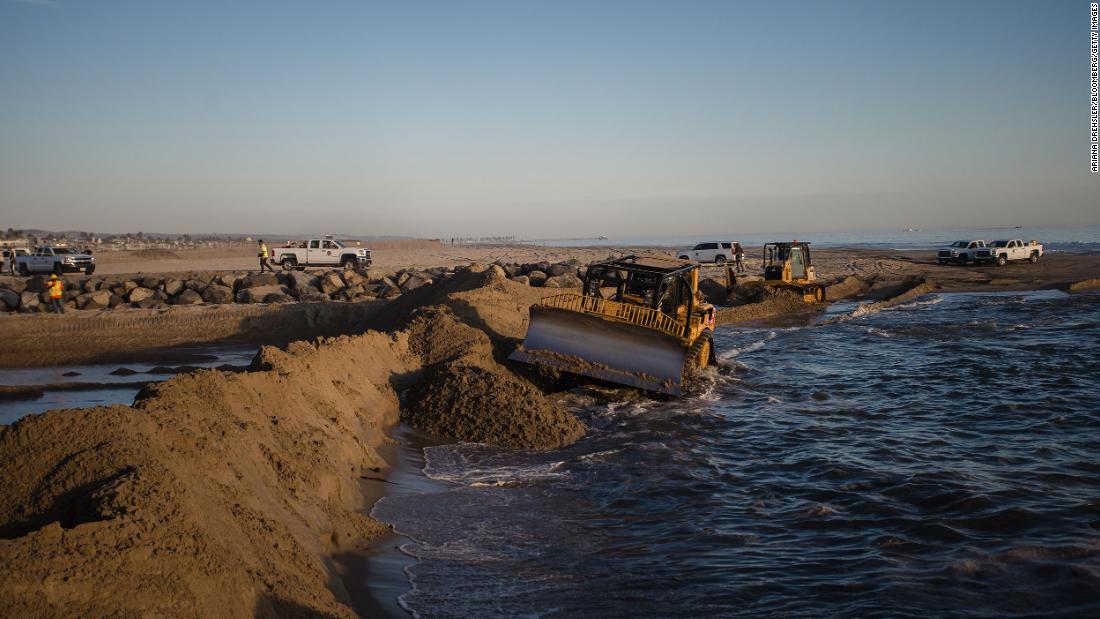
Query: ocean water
x=1079, y=239
x=103, y=387
x=940, y=458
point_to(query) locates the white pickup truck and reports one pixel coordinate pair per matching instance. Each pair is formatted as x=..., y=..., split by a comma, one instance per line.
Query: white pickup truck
x=961, y=252
x=326, y=252
x=56, y=259
x=1005, y=250
x=714, y=251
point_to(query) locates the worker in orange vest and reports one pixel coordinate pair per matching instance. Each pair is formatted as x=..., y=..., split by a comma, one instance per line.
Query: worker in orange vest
x=57, y=290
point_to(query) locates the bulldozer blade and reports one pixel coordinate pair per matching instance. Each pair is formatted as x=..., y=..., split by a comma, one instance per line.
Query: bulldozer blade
x=605, y=349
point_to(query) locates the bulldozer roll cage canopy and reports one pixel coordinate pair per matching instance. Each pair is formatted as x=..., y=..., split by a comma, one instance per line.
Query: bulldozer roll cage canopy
x=656, y=283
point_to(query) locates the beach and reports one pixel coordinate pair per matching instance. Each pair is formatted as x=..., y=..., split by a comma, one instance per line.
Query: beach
x=235, y=492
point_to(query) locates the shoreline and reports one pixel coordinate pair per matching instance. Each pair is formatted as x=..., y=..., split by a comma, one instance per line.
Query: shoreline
x=383, y=563
x=94, y=336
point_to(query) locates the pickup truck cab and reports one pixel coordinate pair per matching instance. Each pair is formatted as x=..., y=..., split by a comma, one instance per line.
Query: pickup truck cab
x=717, y=252
x=961, y=252
x=1005, y=250
x=326, y=252
x=56, y=259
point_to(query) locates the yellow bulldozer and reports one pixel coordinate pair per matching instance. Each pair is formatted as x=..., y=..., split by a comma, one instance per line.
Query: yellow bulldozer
x=788, y=269
x=639, y=321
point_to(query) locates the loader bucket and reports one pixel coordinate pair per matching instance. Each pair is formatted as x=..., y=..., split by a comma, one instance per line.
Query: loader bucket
x=603, y=348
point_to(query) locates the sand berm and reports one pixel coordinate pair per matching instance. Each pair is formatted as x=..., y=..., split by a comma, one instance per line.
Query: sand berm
x=225, y=494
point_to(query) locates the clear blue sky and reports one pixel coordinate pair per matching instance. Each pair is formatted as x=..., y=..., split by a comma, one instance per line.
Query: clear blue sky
x=543, y=118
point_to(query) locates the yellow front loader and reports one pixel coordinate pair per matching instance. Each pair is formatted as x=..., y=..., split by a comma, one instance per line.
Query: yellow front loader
x=788, y=269
x=638, y=321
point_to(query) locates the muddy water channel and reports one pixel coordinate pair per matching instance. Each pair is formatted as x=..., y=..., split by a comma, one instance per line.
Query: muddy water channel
x=939, y=458
x=28, y=391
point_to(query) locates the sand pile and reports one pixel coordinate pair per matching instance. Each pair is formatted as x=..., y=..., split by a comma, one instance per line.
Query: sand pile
x=850, y=286
x=156, y=254
x=217, y=494
x=465, y=394
x=464, y=328
x=481, y=296
x=470, y=323
x=753, y=301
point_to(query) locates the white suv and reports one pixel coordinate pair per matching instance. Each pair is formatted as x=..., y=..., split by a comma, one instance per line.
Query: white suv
x=715, y=251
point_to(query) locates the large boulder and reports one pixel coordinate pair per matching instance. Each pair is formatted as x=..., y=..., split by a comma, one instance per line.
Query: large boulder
x=89, y=285
x=228, y=279
x=9, y=299
x=355, y=278
x=137, y=295
x=218, y=294
x=310, y=295
x=301, y=281
x=561, y=268
x=14, y=284
x=374, y=273
x=188, y=297
x=537, y=278
x=150, y=282
x=259, y=294
x=99, y=299
x=29, y=302
x=173, y=286
x=415, y=281
x=258, y=280
x=37, y=284
x=567, y=280
x=331, y=283
x=149, y=303
x=196, y=285
x=390, y=289
x=521, y=279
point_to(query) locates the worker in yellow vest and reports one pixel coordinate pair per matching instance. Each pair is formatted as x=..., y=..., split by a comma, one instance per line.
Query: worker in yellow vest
x=263, y=258
x=57, y=290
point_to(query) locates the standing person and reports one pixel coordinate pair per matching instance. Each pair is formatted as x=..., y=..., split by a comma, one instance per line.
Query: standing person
x=263, y=257
x=57, y=290
x=739, y=256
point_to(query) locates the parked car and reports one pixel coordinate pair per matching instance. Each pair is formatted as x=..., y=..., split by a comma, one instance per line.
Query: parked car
x=1005, y=250
x=961, y=252
x=326, y=252
x=56, y=259
x=717, y=252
